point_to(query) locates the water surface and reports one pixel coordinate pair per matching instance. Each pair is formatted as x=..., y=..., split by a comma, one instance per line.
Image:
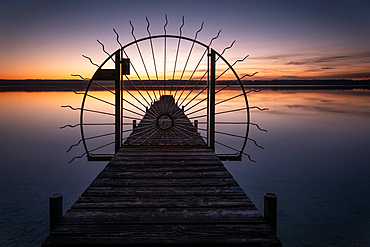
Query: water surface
x=315, y=158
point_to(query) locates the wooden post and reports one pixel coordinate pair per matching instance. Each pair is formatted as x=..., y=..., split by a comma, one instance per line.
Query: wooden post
x=196, y=125
x=55, y=209
x=118, y=101
x=270, y=210
x=133, y=124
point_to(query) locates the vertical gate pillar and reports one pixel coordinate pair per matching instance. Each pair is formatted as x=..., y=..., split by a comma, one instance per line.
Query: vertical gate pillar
x=118, y=101
x=211, y=99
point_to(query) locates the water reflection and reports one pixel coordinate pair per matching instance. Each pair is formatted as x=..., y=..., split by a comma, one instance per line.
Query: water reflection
x=315, y=159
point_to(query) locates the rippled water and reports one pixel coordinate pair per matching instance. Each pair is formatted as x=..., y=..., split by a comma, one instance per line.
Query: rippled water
x=315, y=158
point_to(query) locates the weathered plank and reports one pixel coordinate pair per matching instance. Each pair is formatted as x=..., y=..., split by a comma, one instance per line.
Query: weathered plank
x=164, y=174
x=161, y=201
x=164, y=191
x=166, y=169
x=162, y=182
x=165, y=235
x=175, y=216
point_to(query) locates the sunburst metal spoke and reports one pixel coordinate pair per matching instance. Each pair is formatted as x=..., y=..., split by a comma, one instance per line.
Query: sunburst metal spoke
x=190, y=80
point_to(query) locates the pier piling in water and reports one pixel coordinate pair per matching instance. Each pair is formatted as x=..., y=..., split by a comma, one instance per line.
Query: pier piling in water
x=270, y=210
x=55, y=209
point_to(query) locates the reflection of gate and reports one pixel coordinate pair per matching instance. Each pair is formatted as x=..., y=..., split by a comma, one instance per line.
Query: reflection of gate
x=165, y=82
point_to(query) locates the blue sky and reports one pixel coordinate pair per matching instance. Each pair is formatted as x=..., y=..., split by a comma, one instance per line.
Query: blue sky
x=285, y=39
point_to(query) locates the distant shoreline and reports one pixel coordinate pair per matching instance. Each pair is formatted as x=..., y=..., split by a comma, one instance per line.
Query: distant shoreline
x=80, y=85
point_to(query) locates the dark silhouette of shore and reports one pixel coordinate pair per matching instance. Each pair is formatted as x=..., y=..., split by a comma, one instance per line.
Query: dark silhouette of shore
x=80, y=85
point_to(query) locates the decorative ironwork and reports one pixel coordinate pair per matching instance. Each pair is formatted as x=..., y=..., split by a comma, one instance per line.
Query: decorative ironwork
x=194, y=85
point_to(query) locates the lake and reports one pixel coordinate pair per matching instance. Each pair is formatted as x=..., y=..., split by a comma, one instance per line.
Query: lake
x=315, y=159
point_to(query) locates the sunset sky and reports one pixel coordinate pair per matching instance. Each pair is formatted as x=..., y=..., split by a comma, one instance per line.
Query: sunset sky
x=326, y=39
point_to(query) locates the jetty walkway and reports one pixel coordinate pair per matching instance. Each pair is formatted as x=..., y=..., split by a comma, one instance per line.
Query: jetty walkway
x=168, y=193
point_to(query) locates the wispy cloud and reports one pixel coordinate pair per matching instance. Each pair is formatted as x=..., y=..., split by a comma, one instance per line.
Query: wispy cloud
x=330, y=59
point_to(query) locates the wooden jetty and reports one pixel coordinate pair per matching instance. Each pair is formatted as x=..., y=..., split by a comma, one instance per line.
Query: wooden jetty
x=168, y=193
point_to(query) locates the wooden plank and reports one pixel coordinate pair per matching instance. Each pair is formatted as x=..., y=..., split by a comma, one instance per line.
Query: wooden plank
x=162, y=201
x=175, y=182
x=166, y=162
x=164, y=191
x=165, y=169
x=174, y=158
x=237, y=215
x=159, y=235
x=163, y=174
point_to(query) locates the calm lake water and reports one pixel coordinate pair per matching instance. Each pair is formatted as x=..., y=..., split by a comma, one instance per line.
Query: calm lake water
x=316, y=158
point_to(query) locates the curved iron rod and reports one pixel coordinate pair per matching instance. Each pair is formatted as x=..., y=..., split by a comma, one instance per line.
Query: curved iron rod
x=104, y=101
x=77, y=157
x=199, y=81
x=74, y=145
x=177, y=54
x=133, y=69
x=218, y=92
x=90, y=60
x=134, y=118
x=206, y=73
x=137, y=74
x=142, y=60
x=252, y=90
x=68, y=125
x=235, y=82
x=237, y=123
x=81, y=77
x=240, y=109
x=137, y=91
x=249, y=157
x=190, y=51
x=223, y=101
x=196, y=67
x=100, y=112
x=243, y=137
x=155, y=64
x=195, y=98
x=239, y=152
x=240, y=60
x=117, y=38
x=132, y=103
x=97, y=83
x=102, y=45
x=226, y=48
x=89, y=138
x=141, y=115
x=101, y=146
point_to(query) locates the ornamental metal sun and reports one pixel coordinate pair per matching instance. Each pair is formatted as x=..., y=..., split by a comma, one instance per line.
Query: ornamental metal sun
x=165, y=89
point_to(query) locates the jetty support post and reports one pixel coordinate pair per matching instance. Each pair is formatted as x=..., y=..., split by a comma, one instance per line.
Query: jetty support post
x=133, y=124
x=55, y=209
x=270, y=210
